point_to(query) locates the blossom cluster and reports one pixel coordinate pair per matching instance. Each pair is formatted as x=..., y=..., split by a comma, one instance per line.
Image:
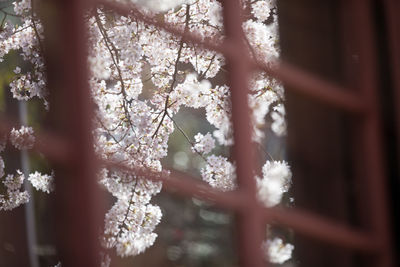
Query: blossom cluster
x=12, y=194
x=274, y=183
x=22, y=138
x=42, y=182
x=204, y=143
x=276, y=251
x=130, y=223
x=133, y=123
x=219, y=173
x=13, y=197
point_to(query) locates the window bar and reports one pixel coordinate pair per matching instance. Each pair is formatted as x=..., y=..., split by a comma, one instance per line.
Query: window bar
x=251, y=230
x=301, y=221
x=50, y=145
x=391, y=9
x=321, y=228
x=371, y=134
x=314, y=87
x=77, y=202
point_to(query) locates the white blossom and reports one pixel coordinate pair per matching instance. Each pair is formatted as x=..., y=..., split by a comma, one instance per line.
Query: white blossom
x=22, y=6
x=262, y=39
x=129, y=226
x=219, y=173
x=13, y=197
x=204, y=143
x=160, y=5
x=279, y=122
x=22, y=138
x=191, y=92
x=276, y=251
x=17, y=70
x=42, y=182
x=105, y=260
x=3, y=142
x=262, y=9
x=274, y=183
x=1, y=167
x=215, y=13
x=259, y=102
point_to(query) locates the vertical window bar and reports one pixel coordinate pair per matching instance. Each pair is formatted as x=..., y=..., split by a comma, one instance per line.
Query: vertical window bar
x=249, y=220
x=371, y=131
x=78, y=205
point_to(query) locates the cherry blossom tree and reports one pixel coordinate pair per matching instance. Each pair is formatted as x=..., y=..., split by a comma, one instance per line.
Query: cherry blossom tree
x=132, y=127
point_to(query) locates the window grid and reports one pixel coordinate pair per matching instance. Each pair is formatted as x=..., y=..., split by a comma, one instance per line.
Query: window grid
x=69, y=144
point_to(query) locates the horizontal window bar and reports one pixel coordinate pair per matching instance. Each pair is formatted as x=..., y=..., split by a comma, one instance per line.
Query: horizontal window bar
x=320, y=228
x=300, y=221
x=53, y=147
x=184, y=184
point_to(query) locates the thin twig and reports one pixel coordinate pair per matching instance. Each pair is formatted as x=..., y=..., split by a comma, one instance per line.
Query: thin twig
x=175, y=70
